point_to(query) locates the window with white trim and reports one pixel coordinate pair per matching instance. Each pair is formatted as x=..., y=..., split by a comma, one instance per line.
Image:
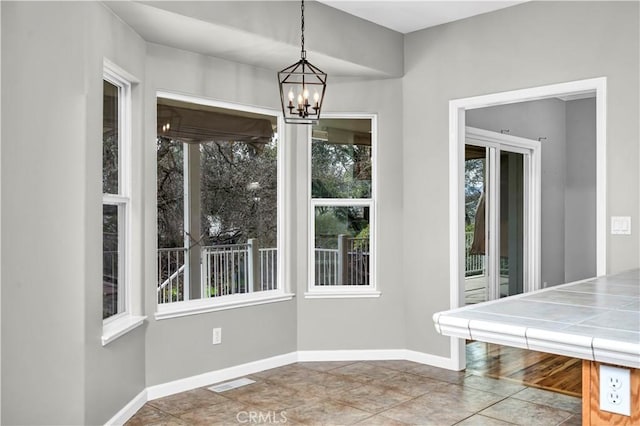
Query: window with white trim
x=219, y=214
x=116, y=215
x=342, y=207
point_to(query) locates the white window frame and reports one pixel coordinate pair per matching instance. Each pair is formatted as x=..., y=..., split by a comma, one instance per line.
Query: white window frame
x=126, y=319
x=345, y=291
x=231, y=301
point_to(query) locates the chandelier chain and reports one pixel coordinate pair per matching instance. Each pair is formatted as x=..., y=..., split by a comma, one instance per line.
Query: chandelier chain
x=302, y=27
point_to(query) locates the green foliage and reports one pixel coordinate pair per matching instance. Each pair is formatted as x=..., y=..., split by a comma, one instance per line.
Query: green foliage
x=238, y=193
x=340, y=171
x=473, y=187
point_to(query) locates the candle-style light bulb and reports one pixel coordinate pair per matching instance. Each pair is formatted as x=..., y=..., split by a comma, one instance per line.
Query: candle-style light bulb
x=300, y=103
x=316, y=98
x=305, y=94
x=290, y=106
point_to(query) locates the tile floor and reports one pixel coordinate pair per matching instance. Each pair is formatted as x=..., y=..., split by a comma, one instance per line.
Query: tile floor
x=365, y=393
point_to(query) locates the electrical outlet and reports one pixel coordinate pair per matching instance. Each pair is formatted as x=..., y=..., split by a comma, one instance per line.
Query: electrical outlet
x=615, y=390
x=217, y=336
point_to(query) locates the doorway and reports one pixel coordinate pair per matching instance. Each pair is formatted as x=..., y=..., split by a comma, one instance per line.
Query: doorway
x=596, y=88
x=502, y=215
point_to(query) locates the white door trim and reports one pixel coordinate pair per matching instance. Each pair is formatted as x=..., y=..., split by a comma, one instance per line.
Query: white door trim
x=530, y=149
x=457, y=130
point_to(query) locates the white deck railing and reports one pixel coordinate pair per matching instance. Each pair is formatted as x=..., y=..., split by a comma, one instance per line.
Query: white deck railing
x=326, y=270
x=225, y=269
x=171, y=275
x=230, y=269
x=473, y=263
x=269, y=268
x=347, y=265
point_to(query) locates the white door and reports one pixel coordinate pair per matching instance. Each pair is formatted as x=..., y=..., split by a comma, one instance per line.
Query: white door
x=502, y=215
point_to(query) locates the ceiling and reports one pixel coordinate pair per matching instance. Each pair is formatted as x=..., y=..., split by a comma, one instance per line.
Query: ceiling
x=263, y=33
x=408, y=16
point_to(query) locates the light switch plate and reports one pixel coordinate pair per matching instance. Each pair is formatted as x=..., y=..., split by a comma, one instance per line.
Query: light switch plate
x=620, y=225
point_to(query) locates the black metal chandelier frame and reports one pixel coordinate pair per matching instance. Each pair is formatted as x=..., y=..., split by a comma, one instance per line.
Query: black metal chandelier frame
x=302, y=87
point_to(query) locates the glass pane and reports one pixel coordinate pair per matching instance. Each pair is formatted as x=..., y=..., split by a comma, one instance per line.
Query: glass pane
x=170, y=211
x=110, y=139
x=475, y=186
x=342, y=242
x=110, y=261
x=217, y=201
x=239, y=212
x=511, y=223
x=341, y=158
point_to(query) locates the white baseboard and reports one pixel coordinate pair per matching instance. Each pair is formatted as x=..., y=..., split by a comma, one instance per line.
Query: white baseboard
x=377, y=355
x=433, y=360
x=200, y=380
x=193, y=382
x=129, y=410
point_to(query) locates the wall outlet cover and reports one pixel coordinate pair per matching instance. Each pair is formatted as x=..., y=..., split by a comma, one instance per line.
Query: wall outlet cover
x=615, y=390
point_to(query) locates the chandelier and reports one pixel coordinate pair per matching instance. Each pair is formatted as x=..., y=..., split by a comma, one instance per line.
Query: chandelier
x=302, y=87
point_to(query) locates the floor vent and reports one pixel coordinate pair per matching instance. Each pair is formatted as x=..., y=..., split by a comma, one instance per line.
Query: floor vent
x=222, y=387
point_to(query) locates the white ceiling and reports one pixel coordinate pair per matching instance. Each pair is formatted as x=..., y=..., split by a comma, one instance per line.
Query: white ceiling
x=412, y=15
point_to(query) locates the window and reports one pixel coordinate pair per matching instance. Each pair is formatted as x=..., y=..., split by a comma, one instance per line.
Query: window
x=115, y=201
x=342, y=207
x=117, y=313
x=218, y=205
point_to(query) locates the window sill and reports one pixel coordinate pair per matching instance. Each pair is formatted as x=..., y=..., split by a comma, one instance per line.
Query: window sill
x=346, y=293
x=119, y=327
x=201, y=306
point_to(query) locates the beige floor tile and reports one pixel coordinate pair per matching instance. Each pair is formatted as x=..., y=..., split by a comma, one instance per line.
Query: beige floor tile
x=409, y=384
x=422, y=411
x=230, y=412
x=480, y=420
x=370, y=398
x=263, y=395
x=326, y=413
x=378, y=420
x=186, y=401
x=369, y=392
x=456, y=377
x=149, y=415
x=277, y=371
x=500, y=387
x=575, y=420
x=364, y=372
x=526, y=413
x=551, y=399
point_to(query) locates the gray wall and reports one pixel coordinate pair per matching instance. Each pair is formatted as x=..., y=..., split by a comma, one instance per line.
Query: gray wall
x=580, y=191
x=532, y=44
x=359, y=323
x=50, y=176
x=181, y=347
x=51, y=313
x=568, y=241
x=531, y=120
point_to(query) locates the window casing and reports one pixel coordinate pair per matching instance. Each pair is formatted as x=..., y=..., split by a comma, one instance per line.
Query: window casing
x=118, y=314
x=342, y=206
x=220, y=206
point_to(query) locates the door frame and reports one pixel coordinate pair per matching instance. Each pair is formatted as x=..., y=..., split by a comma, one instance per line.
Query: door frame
x=532, y=198
x=457, y=136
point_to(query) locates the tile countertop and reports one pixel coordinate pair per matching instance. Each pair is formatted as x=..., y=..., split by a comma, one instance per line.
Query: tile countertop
x=596, y=319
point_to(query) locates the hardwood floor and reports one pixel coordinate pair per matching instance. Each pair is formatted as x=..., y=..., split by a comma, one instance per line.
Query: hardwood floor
x=546, y=371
